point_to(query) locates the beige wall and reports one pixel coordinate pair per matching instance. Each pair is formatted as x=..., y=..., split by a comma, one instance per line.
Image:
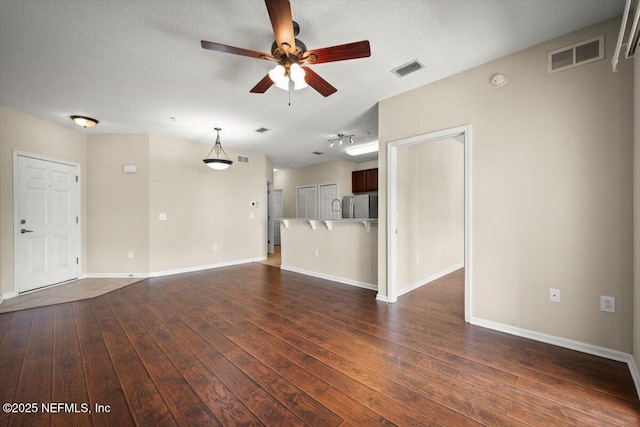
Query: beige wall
x=118, y=204
x=430, y=211
x=325, y=173
x=551, y=187
x=636, y=208
x=19, y=131
x=346, y=253
x=204, y=207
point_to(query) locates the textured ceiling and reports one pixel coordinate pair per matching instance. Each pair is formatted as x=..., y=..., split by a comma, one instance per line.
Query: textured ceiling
x=135, y=64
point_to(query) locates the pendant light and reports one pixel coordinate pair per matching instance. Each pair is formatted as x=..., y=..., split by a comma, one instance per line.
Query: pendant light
x=217, y=162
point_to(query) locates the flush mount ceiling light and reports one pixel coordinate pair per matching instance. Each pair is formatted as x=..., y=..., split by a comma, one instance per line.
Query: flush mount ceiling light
x=363, y=149
x=85, y=122
x=340, y=140
x=217, y=162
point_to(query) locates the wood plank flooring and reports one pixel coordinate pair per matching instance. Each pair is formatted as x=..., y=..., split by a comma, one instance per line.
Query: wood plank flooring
x=254, y=345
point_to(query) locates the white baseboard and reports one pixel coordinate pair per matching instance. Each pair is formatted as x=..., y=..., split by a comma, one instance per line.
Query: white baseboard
x=351, y=282
x=115, y=276
x=566, y=343
x=429, y=279
x=8, y=295
x=382, y=298
x=205, y=267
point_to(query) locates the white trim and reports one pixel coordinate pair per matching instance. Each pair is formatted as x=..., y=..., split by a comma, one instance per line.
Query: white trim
x=205, y=267
x=392, y=202
x=381, y=297
x=8, y=295
x=115, y=276
x=554, y=340
x=566, y=343
x=351, y=282
x=16, y=154
x=633, y=369
x=429, y=279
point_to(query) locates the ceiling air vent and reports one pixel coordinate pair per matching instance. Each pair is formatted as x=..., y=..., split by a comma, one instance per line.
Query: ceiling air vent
x=262, y=130
x=243, y=159
x=409, y=68
x=577, y=54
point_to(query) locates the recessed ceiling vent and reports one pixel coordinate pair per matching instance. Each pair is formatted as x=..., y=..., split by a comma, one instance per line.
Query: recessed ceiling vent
x=262, y=130
x=409, y=68
x=243, y=159
x=577, y=54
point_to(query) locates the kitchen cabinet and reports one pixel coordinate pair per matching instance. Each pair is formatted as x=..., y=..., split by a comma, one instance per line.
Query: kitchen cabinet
x=364, y=181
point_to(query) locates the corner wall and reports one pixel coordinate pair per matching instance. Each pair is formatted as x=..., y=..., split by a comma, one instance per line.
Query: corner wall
x=551, y=187
x=204, y=208
x=19, y=131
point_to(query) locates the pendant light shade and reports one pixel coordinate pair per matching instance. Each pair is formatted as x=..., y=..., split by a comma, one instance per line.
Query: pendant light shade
x=218, y=163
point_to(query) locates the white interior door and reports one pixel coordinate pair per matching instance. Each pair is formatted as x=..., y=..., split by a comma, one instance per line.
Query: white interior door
x=278, y=212
x=329, y=193
x=306, y=202
x=47, y=228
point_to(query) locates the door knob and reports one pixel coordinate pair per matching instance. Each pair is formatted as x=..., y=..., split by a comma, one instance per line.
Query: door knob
x=26, y=231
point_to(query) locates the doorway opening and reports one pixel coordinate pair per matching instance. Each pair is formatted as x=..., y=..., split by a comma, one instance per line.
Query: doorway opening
x=46, y=203
x=404, y=247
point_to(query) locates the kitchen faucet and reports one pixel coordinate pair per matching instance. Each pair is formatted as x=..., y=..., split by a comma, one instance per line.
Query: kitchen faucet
x=339, y=205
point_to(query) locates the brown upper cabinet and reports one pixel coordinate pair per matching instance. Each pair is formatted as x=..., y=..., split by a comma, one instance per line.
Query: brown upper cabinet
x=364, y=181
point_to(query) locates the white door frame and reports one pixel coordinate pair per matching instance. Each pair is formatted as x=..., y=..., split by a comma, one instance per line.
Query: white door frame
x=270, y=220
x=16, y=220
x=392, y=208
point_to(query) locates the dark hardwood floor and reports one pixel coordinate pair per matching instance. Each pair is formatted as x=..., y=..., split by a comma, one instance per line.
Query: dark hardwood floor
x=254, y=345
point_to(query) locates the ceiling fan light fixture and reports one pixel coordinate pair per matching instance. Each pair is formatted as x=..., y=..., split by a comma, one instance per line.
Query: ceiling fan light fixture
x=279, y=76
x=85, y=122
x=217, y=163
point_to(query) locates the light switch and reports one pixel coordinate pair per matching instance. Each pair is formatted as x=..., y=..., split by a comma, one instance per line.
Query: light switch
x=162, y=217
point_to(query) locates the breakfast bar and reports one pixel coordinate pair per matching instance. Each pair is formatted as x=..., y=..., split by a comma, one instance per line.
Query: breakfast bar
x=342, y=250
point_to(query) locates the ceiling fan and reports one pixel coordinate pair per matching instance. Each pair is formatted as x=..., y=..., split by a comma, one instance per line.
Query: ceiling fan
x=291, y=54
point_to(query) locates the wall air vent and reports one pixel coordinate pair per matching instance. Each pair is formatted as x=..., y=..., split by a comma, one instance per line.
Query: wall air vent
x=577, y=54
x=262, y=130
x=243, y=159
x=317, y=153
x=409, y=68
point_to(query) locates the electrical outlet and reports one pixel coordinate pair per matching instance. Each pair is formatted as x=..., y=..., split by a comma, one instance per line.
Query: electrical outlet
x=316, y=253
x=162, y=217
x=130, y=254
x=554, y=295
x=607, y=304
x=215, y=247
x=417, y=259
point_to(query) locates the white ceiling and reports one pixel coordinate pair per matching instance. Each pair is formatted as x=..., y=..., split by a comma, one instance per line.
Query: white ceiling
x=134, y=64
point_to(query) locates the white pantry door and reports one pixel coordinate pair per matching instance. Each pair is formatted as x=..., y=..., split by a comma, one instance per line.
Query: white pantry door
x=47, y=228
x=329, y=193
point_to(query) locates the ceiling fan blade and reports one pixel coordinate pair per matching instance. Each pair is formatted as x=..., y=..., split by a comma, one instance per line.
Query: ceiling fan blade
x=318, y=83
x=235, y=50
x=262, y=85
x=341, y=52
x=281, y=21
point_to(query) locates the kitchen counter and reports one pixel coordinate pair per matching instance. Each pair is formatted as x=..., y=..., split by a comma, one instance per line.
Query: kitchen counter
x=313, y=222
x=342, y=250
